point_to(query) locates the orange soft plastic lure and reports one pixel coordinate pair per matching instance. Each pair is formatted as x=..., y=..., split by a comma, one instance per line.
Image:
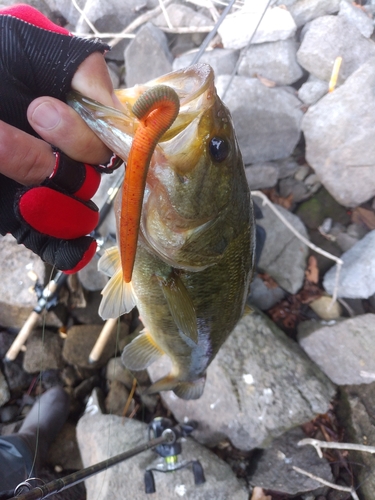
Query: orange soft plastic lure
x=156, y=110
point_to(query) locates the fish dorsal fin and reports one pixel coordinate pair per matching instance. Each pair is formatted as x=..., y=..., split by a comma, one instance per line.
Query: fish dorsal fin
x=180, y=305
x=118, y=296
x=141, y=352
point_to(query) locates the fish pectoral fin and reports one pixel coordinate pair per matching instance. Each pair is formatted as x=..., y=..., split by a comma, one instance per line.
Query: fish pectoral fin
x=190, y=390
x=141, y=352
x=167, y=383
x=180, y=305
x=184, y=390
x=118, y=296
x=110, y=262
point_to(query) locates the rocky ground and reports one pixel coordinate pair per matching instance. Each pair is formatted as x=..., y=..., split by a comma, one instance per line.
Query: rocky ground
x=296, y=367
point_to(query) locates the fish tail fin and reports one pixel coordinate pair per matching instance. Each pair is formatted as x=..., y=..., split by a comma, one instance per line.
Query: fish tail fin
x=184, y=390
x=141, y=352
x=118, y=296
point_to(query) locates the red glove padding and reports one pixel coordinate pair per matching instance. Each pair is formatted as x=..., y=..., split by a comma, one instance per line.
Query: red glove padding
x=39, y=58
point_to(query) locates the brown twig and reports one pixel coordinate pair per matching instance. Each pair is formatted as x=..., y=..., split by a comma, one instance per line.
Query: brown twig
x=128, y=402
x=334, y=486
x=318, y=445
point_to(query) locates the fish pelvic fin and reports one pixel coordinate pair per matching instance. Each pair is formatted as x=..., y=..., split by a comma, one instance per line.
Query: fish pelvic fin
x=184, y=390
x=118, y=296
x=141, y=352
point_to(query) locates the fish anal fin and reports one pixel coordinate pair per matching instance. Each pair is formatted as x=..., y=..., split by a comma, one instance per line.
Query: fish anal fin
x=118, y=296
x=190, y=390
x=141, y=352
x=180, y=305
x=110, y=262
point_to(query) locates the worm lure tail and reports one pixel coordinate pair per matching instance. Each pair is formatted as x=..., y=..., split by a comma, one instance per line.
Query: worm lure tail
x=156, y=110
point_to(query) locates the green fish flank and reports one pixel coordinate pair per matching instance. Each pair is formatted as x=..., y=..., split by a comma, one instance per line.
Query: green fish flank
x=195, y=251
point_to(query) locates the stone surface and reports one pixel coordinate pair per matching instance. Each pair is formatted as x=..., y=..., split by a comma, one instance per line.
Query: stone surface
x=344, y=350
x=82, y=338
x=267, y=120
x=262, y=296
x=16, y=300
x=102, y=436
x=222, y=61
x=356, y=411
x=273, y=469
x=304, y=11
x=274, y=60
x=150, y=44
x=237, y=28
x=329, y=37
x=283, y=255
x=312, y=90
x=92, y=279
x=259, y=385
x=260, y=176
x=117, y=398
x=339, y=139
x=4, y=390
x=182, y=16
x=43, y=352
x=324, y=308
x=357, y=275
x=355, y=15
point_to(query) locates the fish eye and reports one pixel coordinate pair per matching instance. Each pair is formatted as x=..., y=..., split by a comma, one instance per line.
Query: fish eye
x=219, y=149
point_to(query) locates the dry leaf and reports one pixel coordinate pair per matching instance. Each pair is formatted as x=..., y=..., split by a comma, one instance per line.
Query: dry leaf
x=265, y=81
x=279, y=200
x=258, y=494
x=312, y=270
x=364, y=217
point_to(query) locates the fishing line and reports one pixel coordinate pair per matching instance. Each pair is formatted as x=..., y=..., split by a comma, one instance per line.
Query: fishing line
x=211, y=35
x=243, y=51
x=44, y=319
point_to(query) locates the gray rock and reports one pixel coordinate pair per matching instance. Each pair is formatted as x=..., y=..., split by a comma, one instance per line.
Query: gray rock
x=267, y=120
x=312, y=90
x=18, y=380
x=274, y=60
x=117, y=398
x=357, y=275
x=259, y=385
x=339, y=138
x=358, y=17
x=264, y=297
x=81, y=340
x=92, y=279
x=116, y=371
x=182, y=16
x=304, y=11
x=356, y=411
x=262, y=176
x=150, y=44
x=237, y=28
x=43, y=352
x=286, y=167
x=100, y=436
x=222, y=61
x=343, y=351
x=4, y=390
x=329, y=37
x=273, y=470
x=283, y=255
x=16, y=300
x=294, y=187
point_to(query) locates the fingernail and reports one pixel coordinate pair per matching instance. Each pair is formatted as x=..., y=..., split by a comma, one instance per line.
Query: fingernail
x=46, y=116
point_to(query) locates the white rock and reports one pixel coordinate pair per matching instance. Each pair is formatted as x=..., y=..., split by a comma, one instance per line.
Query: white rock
x=238, y=28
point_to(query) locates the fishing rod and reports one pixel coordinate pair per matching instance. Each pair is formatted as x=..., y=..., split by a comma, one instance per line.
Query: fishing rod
x=48, y=297
x=168, y=437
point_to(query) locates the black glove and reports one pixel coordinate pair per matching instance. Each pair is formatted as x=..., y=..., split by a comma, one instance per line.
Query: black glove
x=39, y=58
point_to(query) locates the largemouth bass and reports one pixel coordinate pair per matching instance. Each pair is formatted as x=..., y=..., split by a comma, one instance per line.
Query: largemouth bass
x=195, y=250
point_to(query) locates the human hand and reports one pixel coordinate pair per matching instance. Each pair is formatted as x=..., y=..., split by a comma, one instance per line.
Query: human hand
x=52, y=219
